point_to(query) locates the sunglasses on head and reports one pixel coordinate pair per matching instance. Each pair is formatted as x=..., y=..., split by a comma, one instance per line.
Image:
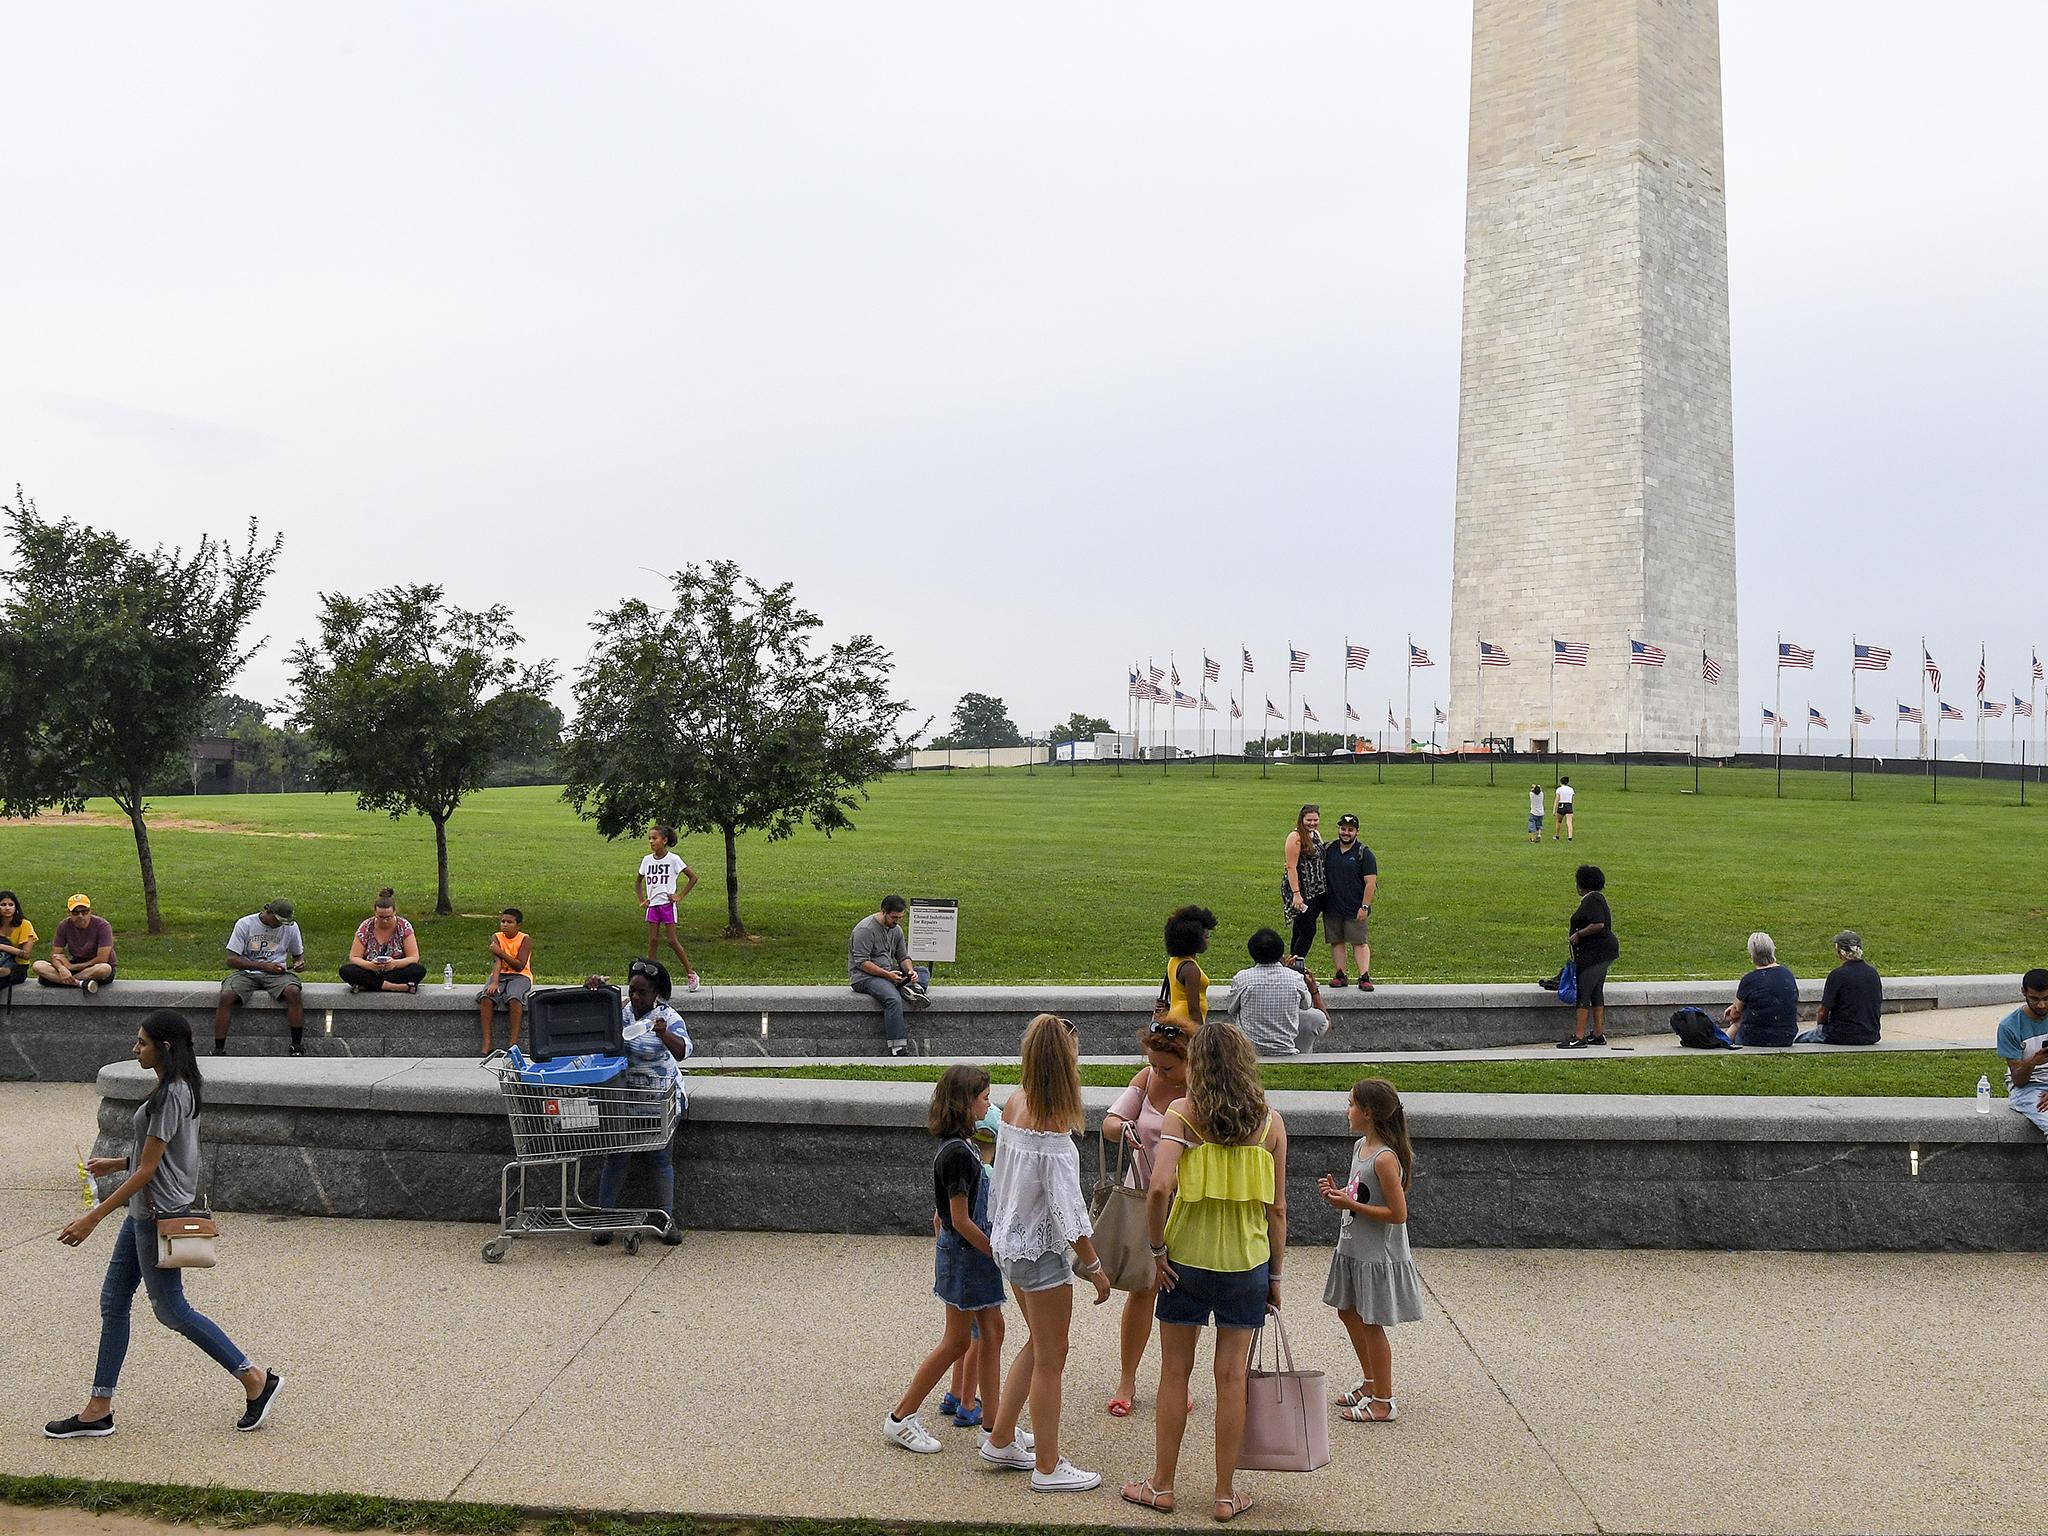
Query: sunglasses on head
x=1068, y=1025
x=1166, y=1031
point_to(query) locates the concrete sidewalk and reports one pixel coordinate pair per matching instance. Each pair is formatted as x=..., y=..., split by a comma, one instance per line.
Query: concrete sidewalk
x=742, y=1373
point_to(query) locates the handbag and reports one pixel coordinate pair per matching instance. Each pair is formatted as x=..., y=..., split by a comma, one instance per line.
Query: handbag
x=1286, y=1411
x=187, y=1241
x=1568, y=982
x=1122, y=1241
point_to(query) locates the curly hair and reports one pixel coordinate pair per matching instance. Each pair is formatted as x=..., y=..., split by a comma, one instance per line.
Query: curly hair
x=1188, y=930
x=1223, y=1084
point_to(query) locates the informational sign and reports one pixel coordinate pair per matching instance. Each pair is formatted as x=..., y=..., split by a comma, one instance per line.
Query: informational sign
x=934, y=928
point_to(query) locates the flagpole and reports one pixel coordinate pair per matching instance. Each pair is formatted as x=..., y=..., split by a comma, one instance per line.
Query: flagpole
x=1702, y=745
x=1408, y=704
x=1347, y=685
x=1923, y=700
x=1553, y=693
x=1852, y=698
x=1980, y=709
x=1288, y=723
x=1778, y=717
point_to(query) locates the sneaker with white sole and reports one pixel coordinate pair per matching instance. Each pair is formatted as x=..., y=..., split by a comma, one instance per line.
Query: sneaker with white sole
x=690, y=983
x=1065, y=1478
x=910, y=1434
x=1015, y=1456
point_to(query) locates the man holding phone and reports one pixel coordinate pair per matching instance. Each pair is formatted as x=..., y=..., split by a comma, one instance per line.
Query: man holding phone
x=2023, y=1042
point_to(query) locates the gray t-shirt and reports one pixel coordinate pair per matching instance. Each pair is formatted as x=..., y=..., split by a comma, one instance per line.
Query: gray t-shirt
x=254, y=939
x=176, y=1184
x=877, y=941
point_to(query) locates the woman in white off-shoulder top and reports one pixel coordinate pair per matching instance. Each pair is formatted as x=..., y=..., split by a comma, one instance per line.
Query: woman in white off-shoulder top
x=1036, y=1214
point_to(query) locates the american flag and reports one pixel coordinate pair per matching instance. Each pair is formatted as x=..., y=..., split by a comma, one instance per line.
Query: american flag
x=1771, y=718
x=1175, y=678
x=1491, y=655
x=1205, y=700
x=1871, y=658
x=1157, y=675
x=1911, y=714
x=2022, y=707
x=1567, y=653
x=1980, y=671
x=1392, y=723
x=2037, y=666
x=1993, y=709
x=1351, y=714
x=1309, y=714
x=1933, y=672
x=1297, y=661
x=1417, y=656
x=1710, y=669
x=1355, y=657
x=1441, y=717
x=1643, y=654
x=1137, y=688
x=1247, y=660
x=1211, y=671
x=1863, y=716
x=1271, y=712
x=1790, y=655
x=1184, y=700
x=1155, y=693
x=1235, y=712
x=1815, y=717
x=1950, y=712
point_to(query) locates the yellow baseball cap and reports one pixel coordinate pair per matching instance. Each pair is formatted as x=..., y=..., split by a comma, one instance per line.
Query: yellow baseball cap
x=75, y=902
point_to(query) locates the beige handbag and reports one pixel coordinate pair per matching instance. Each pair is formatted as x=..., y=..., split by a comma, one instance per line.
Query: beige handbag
x=187, y=1241
x=1286, y=1412
x=1122, y=1241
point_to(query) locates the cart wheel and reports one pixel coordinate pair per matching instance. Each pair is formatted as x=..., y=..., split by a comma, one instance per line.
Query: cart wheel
x=632, y=1245
x=494, y=1250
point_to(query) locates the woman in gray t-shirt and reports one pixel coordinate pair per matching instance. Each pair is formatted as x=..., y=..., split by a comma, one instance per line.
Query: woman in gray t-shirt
x=163, y=1180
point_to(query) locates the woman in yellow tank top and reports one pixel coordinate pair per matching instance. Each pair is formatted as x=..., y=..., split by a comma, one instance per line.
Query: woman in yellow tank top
x=1185, y=997
x=1221, y=1171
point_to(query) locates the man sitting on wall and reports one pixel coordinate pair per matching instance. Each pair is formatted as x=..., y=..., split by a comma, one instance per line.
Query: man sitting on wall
x=878, y=964
x=2023, y=1042
x=265, y=954
x=81, y=950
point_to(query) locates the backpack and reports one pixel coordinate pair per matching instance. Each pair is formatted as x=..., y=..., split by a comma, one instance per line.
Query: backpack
x=1695, y=1028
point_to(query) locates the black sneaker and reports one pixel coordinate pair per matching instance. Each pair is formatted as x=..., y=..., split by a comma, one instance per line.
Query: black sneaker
x=297, y=1050
x=600, y=1239
x=259, y=1405
x=673, y=1237
x=1596, y=1039
x=1571, y=1043
x=1340, y=980
x=1549, y=984
x=900, y=1048
x=1365, y=982
x=220, y=1047
x=75, y=1428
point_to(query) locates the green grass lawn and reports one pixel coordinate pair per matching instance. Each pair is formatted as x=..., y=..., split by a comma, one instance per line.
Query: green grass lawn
x=1070, y=877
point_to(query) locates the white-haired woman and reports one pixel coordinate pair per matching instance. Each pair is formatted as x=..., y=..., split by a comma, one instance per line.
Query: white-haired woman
x=1766, y=1006
x=1851, y=1002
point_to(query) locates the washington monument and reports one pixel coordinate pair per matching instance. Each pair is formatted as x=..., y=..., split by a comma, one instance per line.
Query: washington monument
x=1595, y=500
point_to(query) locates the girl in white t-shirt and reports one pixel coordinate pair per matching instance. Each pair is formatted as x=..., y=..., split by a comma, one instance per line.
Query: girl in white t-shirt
x=655, y=885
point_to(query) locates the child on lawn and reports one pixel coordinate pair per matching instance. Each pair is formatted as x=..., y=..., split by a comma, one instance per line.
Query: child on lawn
x=1373, y=1281
x=655, y=885
x=965, y=1276
x=962, y=1400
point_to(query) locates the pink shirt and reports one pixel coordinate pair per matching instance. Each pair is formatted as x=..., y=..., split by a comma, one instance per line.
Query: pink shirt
x=1134, y=1106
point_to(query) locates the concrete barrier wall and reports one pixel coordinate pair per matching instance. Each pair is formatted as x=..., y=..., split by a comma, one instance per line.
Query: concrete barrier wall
x=57, y=1035
x=407, y=1138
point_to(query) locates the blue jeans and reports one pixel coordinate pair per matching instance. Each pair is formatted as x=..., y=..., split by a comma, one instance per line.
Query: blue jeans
x=890, y=996
x=613, y=1175
x=133, y=1263
x=2026, y=1100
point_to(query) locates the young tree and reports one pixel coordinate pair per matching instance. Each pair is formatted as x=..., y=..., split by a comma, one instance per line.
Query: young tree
x=718, y=712
x=109, y=657
x=408, y=701
x=980, y=721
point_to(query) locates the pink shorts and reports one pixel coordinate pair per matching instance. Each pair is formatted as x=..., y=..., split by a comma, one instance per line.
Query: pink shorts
x=665, y=913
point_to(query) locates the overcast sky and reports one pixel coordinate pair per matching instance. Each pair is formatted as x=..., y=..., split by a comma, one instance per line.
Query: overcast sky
x=1029, y=339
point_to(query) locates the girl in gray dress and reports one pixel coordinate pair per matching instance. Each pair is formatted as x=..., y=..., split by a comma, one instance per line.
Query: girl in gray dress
x=1372, y=1278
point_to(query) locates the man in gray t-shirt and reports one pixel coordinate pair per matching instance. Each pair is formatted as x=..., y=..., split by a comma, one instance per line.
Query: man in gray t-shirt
x=878, y=965
x=265, y=954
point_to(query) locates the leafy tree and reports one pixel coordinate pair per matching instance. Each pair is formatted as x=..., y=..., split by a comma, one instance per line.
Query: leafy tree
x=229, y=713
x=980, y=721
x=1079, y=727
x=109, y=656
x=409, y=701
x=718, y=712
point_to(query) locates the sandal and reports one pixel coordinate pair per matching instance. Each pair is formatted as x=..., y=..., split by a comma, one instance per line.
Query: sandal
x=1361, y=1412
x=1145, y=1496
x=1120, y=1407
x=1356, y=1395
x=1230, y=1508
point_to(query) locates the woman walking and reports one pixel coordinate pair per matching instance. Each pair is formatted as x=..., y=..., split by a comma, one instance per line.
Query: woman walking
x=1036, y=1215
x=1303, y=882
x=1137, y=1118
x=1222, y=1171
x=163, y=1180
x=1594, y=950
x=385, y=956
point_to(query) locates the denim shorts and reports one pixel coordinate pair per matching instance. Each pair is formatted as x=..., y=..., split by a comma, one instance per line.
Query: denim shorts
x=1238, y=1299
x=1044, y=1273
x=965, y=1277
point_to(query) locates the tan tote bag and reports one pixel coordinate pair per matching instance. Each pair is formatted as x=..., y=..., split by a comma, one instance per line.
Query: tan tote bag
x=1122, y=1242
x=1286, y=1411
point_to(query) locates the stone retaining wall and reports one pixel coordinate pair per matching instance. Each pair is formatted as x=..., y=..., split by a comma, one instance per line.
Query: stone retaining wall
x=426, y=1138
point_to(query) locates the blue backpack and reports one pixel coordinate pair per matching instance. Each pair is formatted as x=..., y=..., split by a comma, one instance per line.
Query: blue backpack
x=1695, y=1028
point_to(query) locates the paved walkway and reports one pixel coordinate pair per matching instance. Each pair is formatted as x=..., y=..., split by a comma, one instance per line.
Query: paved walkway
x=741, y=1373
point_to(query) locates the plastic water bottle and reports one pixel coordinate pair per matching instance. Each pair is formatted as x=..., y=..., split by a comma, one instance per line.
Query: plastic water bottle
x=1984, y=1095
x=448, y=977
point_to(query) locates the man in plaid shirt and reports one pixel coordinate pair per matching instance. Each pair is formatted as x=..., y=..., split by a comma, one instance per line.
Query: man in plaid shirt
x=1279, y=1008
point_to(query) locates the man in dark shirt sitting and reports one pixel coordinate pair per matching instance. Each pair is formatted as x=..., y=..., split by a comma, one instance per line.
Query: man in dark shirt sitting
x=1852, y=1000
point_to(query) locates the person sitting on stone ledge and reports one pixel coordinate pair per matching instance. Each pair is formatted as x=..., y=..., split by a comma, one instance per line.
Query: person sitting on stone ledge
x=2023, y=1042
x=265, y=954
x=1851, y=1002
x=17, y=942
x=385, y=956
x=1277, y=1006
x=878, y=965
x=1766, y=1006
x=81, y=949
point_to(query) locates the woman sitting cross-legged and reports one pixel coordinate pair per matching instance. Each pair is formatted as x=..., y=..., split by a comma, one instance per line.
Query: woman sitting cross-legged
x=385, y=956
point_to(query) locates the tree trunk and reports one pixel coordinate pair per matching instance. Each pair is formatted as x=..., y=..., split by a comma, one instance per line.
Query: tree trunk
x=142, y=856
x=444, y=904
x=734, y=928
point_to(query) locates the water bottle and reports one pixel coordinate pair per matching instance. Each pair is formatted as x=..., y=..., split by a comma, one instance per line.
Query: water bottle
x=1984, y=1095
x=448, y=977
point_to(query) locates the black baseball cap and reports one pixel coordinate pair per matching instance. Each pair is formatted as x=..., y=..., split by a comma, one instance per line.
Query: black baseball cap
x=1347, y=820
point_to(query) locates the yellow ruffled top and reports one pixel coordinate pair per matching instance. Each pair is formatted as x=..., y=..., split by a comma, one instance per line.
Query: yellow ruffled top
x=1221, y=1193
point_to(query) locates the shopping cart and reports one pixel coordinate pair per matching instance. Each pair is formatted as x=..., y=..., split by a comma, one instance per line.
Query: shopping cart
x=561, y=1113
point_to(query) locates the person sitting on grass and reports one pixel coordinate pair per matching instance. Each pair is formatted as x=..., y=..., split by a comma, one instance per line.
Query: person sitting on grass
x=1766, y=1006
x=385, y=956
x=81, y=950
x=2023, y=1042
x=1851, y=1002
x=656, y=1039
x=1277, y=1006
x=265, y=954
x=511, y=980
x=878, y=965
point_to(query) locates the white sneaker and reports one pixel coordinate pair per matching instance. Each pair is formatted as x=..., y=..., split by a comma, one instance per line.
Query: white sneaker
x=1015, y=1456
x=911, y=1434
x=1065, y=1478
x=691, y=983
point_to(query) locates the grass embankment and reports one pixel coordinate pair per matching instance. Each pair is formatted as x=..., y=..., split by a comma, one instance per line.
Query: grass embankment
x=1069, y=878
x=1883, y=1074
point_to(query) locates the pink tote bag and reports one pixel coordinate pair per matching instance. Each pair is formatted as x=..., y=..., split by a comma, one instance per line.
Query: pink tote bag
x=1286, y=1411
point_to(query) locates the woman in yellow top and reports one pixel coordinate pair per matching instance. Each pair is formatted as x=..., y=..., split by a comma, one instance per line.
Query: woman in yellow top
x=1222, y=1172
x=1184, y=995
x=17, y=941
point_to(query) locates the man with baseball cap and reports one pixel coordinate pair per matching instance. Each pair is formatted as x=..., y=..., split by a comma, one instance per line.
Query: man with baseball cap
x=265, y=954
x=1354, y=875
x=1852, y=1001
x=81, y=950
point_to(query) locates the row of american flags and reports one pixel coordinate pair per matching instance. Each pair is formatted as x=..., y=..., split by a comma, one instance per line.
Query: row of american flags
x=1162, y=685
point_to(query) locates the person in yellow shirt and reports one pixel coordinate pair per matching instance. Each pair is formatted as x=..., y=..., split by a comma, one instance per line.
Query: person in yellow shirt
x=17, y=941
